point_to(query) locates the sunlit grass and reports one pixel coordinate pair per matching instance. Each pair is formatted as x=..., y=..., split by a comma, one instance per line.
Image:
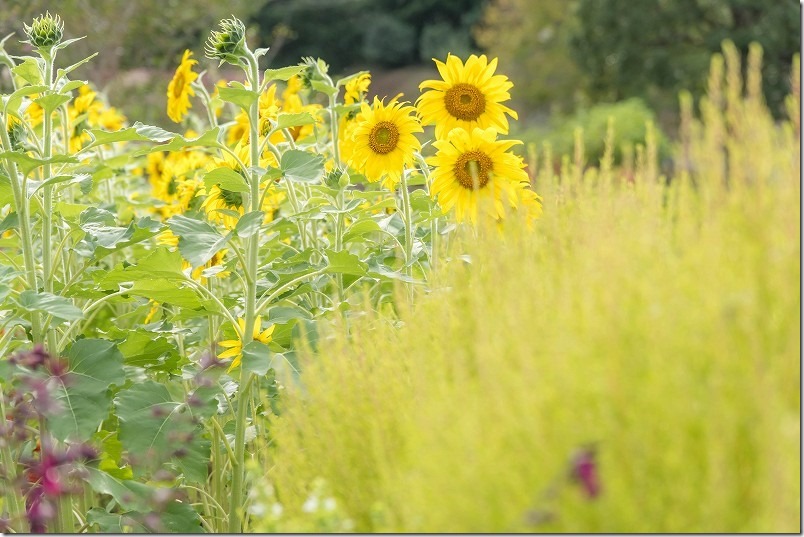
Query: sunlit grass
x=659, y=323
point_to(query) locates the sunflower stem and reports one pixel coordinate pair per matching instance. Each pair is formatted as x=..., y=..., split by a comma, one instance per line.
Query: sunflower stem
x=252, y=251
x=47, y=216
x=408, y=230
x=23, y=208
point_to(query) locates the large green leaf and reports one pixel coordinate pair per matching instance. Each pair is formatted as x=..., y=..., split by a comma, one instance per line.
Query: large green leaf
x=29, y=71
x=286, y=121
x=256, y=357
x=242, y=97
x=150, y=422
x=301, y=166
x=94, y=366
x=227, y=179
x=198, y=241
x=59, y=307
x=344, y=262
x=161, y=264
x=284, y=73
x=27, y=163
x=114, y=522
x=140, y=499
x=52, y=101
x=249, y=224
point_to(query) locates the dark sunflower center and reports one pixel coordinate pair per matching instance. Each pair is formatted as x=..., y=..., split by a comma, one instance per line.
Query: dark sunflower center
x=232, y=199
x=472, y=169
x=383, y=137
x=465, y=101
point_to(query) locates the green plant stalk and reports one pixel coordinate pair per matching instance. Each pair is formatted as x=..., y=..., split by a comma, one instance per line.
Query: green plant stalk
x=252, y=251
x=10, y=497
x=425, y=169
x=408, y=225
x=47, y=217
x=23, y=209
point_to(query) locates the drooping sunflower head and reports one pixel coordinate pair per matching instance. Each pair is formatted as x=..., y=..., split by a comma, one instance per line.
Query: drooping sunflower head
x=179, y=89
x=469, y=96
x=385, y=140
x=229, y=43
x=476, y=172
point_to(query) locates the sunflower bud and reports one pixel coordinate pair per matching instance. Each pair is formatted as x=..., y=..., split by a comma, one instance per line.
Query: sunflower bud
x=45, y=31
x=228, y=44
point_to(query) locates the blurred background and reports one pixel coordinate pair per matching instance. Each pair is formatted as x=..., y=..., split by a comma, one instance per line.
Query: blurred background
x=573, y=62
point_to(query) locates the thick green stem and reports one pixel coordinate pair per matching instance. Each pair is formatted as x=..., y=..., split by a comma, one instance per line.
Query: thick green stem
x=408, y=224
x=252, y=258
x=23, y=210
x=47, y=212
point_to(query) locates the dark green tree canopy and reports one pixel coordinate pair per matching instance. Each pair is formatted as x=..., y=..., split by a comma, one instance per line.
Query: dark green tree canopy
x=628, y=48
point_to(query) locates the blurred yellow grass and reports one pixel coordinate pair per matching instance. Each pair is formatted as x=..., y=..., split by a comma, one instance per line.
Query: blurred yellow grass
x=659, y=320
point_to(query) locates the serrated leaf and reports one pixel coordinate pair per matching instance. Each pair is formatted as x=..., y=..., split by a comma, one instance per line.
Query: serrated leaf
x=301, y=166
x=344, y=262
x=11, y=221
x=286, y=121
x=227, y=179
x=52, y=101
x=284, y=73
x=323, y=87
x=62, y=72
x=198, y=241
x=15, y=99
x=256, y=358
x=72, y=85
x=360, y=228
x=59, y=307
x=94, y=365
x=194, y=463
x=69, y=179
x=152, y=423
x=114, y=522
x=208, y=139
x=102, y=137
x=176, y=516
x=28, y=163
x=249, y=224
x=29, y=71
x=243, y=98
x=155, y=134
x=161, y=264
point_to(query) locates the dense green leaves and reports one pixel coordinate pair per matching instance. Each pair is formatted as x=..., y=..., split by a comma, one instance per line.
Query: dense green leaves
x=59, y=307
x=301, y=166
x=94, y=366
x=198, y=241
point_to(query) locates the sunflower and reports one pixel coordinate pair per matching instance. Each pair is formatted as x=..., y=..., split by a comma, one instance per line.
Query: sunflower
x=384, y=140
x=179, y=90
x=474, y=168
x=234, y=347
x=356, y=88
x=469, y=96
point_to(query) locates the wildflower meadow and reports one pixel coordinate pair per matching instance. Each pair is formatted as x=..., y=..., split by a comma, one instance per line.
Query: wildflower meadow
x=310, y=308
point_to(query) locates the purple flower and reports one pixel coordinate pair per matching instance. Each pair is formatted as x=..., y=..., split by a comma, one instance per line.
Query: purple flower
x=585, y=472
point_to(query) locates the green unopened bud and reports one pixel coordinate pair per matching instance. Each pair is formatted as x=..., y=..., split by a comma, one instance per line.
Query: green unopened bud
x=45, y=31
x=228, y=44
x=16, y=133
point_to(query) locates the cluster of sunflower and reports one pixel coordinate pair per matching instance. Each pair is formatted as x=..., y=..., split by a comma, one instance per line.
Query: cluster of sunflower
x=473, y=171
x=86, y=111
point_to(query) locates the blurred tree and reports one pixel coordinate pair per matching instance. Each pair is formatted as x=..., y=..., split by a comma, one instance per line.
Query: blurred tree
x=655, y=48
x=387, y=33
x=531, y=40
